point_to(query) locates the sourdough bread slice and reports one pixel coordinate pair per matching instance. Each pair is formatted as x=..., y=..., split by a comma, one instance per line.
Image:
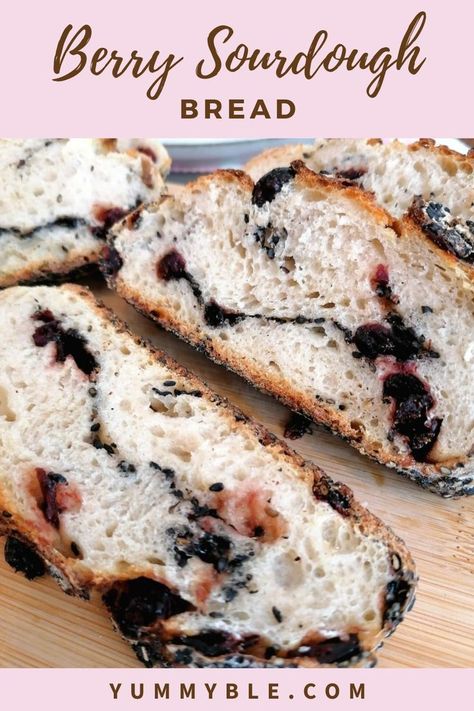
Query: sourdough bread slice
x=433, y=184
x=210, y=540
x=311, y=291
x=57, y=197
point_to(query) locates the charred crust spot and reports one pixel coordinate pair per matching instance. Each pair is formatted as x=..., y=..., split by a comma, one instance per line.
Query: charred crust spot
x=337, y=495
x=140, y=603
x=49, y=483
x=397, y=594
x=443, y=229
x=111, y=261
x=68, y=342
x=23, y=558
x=270, y=185
x=330, y=651
x=297, y=426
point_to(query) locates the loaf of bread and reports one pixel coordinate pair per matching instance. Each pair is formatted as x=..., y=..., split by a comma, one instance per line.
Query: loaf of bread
x=58, y=197
x=434, y=184
x=307, y=288
x=211, y=542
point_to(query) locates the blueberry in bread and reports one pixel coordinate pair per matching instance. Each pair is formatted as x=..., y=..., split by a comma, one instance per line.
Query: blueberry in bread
x=211, y=542
x=433, y=184
x=307, y=288
x=58, y=197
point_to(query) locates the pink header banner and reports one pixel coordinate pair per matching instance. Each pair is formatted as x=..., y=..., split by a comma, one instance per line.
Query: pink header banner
x=196, y=690
x=241, y=69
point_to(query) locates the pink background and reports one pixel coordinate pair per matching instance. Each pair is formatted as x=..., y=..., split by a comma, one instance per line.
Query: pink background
x=437, y=101
x=385, y=689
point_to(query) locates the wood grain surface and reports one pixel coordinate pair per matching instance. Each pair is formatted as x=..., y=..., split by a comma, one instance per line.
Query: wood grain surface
x=42, y=627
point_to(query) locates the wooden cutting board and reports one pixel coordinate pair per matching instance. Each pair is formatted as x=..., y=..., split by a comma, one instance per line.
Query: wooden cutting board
x=42, y=627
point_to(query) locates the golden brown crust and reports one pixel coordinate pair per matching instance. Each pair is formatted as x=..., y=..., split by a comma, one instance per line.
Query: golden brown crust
x=46, y=269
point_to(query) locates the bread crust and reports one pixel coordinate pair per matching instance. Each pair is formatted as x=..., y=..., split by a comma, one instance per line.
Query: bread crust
x=449, y=478
x=76, y=579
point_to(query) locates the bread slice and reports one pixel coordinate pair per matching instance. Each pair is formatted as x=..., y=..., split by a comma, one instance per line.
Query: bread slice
x=210, y=540
x=312, y=292
x=58, y=196
x=434, y=184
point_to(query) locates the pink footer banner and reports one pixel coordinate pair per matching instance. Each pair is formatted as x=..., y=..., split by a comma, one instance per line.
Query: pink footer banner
x=144, y=689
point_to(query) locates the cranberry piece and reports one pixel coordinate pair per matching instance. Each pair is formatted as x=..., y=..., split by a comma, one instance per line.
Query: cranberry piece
x=403, y=385
x=111, y=261
x=23, y=559
x=270, y=185
x=49, y=483
x=140, y=602
x=172, y=266
x=396, y=339
x=413, y=401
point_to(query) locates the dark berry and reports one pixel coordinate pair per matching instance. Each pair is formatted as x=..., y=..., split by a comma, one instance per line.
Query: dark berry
x=270, y=184
x=140, y=602
x=330, y=651
x=171, y=266
x=411, y=419
x=111, y=261
x=216, y=316
x=212, y=549
x=23, y=559
x=49, y=483
x=68, y=343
